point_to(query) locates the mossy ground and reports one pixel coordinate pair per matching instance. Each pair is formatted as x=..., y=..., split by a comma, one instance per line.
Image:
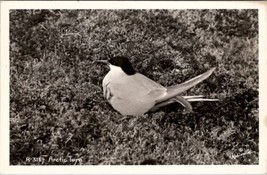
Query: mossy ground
x=56, y=103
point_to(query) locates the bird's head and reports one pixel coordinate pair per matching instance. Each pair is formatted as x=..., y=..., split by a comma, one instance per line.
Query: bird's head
x=119, y=61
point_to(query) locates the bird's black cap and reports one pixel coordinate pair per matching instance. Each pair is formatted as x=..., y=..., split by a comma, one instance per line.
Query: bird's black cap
x=124, y=63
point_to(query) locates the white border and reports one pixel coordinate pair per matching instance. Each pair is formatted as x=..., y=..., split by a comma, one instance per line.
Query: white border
x=166, y=169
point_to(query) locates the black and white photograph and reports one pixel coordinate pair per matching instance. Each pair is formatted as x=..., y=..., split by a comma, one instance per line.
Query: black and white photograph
x=135, y=86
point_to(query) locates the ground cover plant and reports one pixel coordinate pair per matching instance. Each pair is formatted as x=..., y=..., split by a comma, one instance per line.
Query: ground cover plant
x=57, y=109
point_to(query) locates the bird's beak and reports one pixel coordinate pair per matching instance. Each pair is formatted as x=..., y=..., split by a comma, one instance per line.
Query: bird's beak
x=102, y=61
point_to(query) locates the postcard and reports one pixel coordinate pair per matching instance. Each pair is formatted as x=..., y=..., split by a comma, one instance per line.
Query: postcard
x=124, y=87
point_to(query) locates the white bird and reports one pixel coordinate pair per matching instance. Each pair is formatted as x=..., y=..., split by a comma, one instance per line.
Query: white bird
x=131, y=93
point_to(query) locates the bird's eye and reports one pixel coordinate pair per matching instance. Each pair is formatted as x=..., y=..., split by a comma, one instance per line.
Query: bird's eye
x=115, y=63
x=111, y=61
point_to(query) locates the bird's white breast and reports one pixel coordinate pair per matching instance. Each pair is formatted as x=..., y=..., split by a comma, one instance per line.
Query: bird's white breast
x=114, y=73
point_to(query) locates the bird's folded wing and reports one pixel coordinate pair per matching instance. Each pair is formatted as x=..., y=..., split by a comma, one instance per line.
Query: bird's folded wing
x=156, y=93
x=151, y=89
x=173, y=91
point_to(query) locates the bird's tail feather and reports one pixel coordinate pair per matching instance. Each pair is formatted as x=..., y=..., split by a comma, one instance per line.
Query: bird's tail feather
x=198, y=98
x=173, y=91
x=183, y=100
x=178, y=99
